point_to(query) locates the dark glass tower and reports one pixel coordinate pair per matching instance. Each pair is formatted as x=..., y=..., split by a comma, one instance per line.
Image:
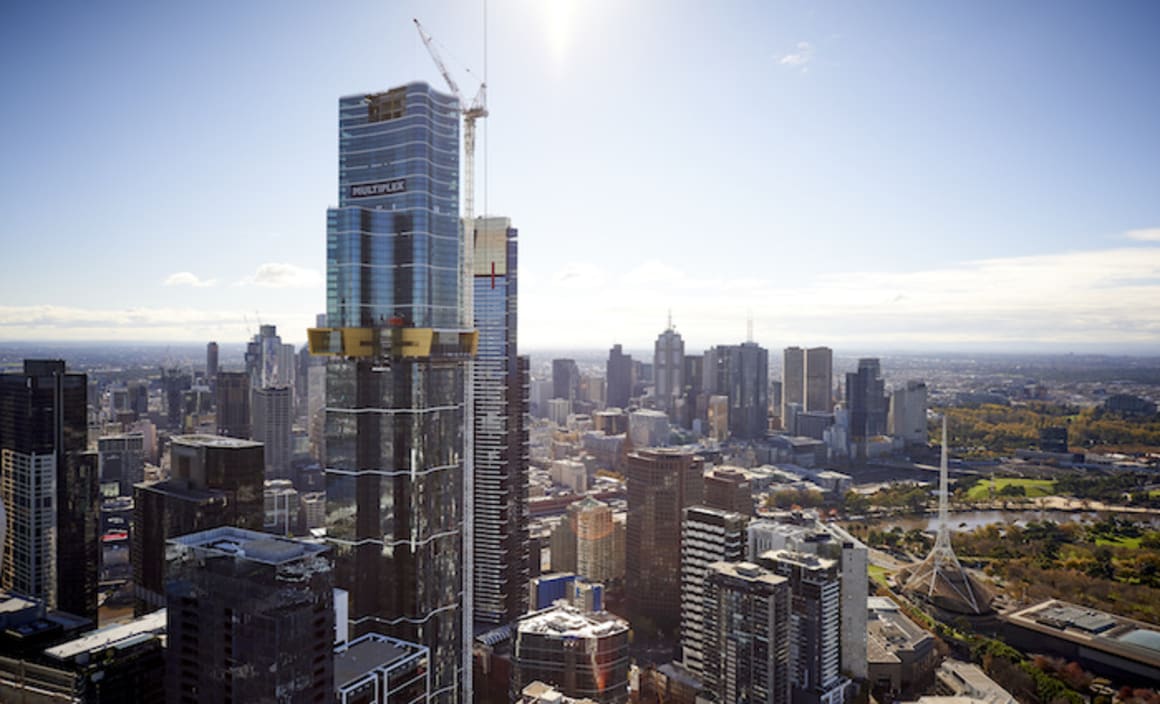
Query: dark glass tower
x=395, y=384
x=49, y=487
x=500, y=566
x=741, y=372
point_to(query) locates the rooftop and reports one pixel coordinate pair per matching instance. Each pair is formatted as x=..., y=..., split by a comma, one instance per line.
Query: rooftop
x=118, y=636
x=249, y=545
x=369, y=653
x=564, y=621
x=205, y=440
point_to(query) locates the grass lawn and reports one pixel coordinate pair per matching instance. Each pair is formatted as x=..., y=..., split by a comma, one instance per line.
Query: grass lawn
x=1133, y=543
x=1034, y=488
x=878, y=574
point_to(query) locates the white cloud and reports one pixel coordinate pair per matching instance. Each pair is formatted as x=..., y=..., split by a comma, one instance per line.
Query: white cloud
x=1148, y=235
x=800, y=58
x=49, y=322
x=280, y=275
x=1105, y=297
x=185, y=278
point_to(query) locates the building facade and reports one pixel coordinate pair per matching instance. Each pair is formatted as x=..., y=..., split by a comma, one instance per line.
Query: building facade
x=273, y=418
x=793, y=379
x=500, y=568
x=49, y=488
x=250, y=618
x=906, y=417
x=866, y=402
x=741, y=372
x=618, y=372
x=708, y=535
x=669, y=371
x=396, y=456
x=661, y=484
x=819, y=380
x=747, y=611
x=232, y=393
x=582, y=654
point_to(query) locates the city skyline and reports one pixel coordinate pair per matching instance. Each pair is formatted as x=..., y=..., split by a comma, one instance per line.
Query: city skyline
x=976, y=177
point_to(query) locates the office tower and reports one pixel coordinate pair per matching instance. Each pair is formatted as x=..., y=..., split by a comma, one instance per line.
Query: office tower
x=581, y=654
x=819, y=380
x=866, y=401
x=375, y=669
x=695, y=402
x=741, y=372
x=565, y=379
x=122, y=461
x=729, y=489
x=233, y=405
x=591, y=521
x=708, y=535
x=618, y=371
x=717, y=417
x=214, y=481
x=855, y=590
x=746, y=634
x=669, y=370
x=211, y=362
x=661, y=483
x=793, y=378
x=501, y=439
x=814, y=652
x=138, y=398
x=395, y=449
x=272, y=419
x=280, y=507
x=269, y=362
x=49, y=488
x=906, y=418
x=250, y=618
x=648, y=428
x=174, y=384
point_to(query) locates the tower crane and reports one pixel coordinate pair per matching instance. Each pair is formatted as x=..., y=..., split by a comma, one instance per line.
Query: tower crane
x=471, y=112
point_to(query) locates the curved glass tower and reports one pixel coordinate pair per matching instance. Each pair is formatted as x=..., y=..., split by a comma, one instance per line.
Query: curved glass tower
x=395, y=411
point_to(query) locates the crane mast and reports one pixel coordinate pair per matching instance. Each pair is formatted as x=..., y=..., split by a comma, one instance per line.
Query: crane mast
x=471, y=112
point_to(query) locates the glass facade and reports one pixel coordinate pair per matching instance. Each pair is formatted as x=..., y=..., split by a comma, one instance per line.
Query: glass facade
x=500, y=566
x=393, y=427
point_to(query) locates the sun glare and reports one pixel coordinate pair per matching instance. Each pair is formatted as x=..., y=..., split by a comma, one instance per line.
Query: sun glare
x=559, y=16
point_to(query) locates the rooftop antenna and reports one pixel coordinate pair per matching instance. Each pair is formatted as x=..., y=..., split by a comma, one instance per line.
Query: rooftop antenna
x=670, y=319
x=749, y=326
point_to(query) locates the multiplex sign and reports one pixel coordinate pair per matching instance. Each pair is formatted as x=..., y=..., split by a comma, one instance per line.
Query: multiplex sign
x=378, y=188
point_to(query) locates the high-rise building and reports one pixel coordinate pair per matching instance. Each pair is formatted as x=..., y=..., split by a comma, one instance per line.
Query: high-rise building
x=565, y=379
x=250, y=618
x=591, y=521
x=211, y=362
x=214, y=481
x=741, y=372
x=396, y=454
x=729, y=489
x=618, y=372
x=233, y=405
x=669, y=370
x=272, y=421
x=122, y=461
x=906, y=418
x=793, y=378
x=661, y=483
x=581, y=654
x=747, y=612
x=48, y=488
x=500, y=567
x=708, y=535
x=866, y=401
x=174, y=384
x=855, y=590
x=819, y=379
x=814, y=652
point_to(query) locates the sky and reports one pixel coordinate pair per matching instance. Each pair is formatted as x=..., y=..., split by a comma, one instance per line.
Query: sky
x=872, y=176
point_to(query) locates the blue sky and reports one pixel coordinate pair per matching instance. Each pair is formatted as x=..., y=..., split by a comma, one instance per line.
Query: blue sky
x=864, y=175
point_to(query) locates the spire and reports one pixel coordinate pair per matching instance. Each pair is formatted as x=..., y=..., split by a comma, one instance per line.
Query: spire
x=941, y=573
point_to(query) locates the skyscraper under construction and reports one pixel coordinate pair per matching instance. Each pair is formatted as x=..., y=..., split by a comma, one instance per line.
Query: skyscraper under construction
x=399, y=348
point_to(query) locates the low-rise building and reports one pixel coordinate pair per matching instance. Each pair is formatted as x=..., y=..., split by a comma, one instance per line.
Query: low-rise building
x=900, y=655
